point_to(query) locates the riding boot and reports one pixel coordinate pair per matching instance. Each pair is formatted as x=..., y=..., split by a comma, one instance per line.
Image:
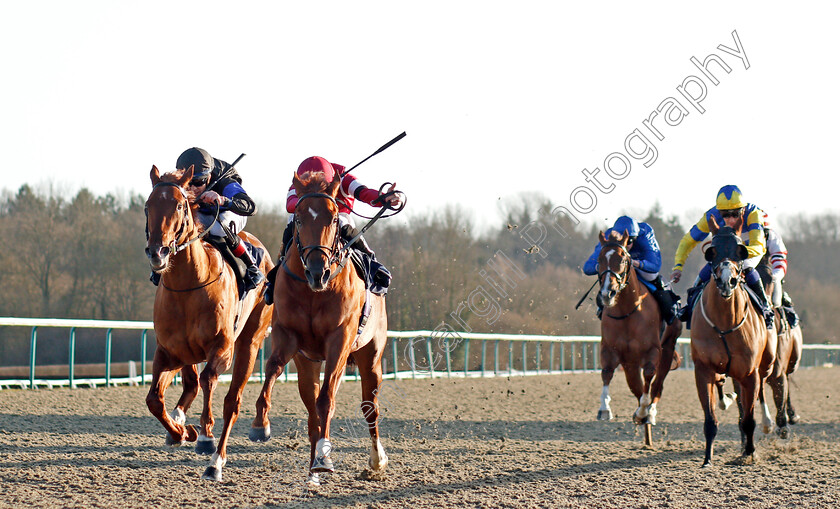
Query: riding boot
x=381, y=276
x=665, y=297
x=764, y=302
x=253, y=274
x=685, y=312
x=238, y=258
x=787, y=305
x=268, y=293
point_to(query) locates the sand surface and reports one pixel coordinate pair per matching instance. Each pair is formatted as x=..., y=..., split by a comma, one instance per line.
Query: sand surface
x=518, y=442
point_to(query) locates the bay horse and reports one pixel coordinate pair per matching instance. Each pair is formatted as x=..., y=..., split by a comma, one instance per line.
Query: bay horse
x=318, y=304
x=788, y=355
x=198, y=317
x=729, y=338
x=631, y=333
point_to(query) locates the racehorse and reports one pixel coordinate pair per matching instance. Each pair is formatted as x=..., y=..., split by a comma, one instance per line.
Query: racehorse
x=788, y=355
x=729, y=338
x=198, y=317
x=318, y=305
x=631, y=333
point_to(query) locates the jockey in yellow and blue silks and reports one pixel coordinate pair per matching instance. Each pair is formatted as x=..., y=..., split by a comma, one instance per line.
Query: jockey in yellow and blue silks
x=647, y=260
x=729, y=207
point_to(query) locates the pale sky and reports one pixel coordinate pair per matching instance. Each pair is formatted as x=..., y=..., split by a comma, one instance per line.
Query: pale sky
x=497, y=98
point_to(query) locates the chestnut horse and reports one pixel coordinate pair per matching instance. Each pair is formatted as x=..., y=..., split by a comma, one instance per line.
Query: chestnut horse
x=318, y=304
x=198, y=317
x=729, y=338
x=788, y=355
x=632, y=333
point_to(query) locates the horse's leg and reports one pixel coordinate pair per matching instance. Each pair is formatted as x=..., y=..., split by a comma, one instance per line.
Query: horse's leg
x=766, y=419
x=633, y=375
x=163, y=371
x=218, y=362
x=370, y=369
x=705, y=380
x=647, y=408
x=189, y=383
x=336, y=361
x=308, y=387
x=793, y=417
x=781, y=398
x=609, y=361
x=749, y=390
x=666, y=359
x=739, y=396
x=246, y=348
x=726, y=398
x=283, y=348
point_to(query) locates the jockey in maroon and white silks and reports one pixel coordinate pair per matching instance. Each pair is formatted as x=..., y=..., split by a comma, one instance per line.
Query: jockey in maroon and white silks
x=777, y=257
x=351, y=188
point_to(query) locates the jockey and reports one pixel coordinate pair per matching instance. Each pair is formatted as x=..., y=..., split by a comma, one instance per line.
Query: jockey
x=350, y=191
x=777, y=259
x=644, y=250
x=215, y=182
x=729, y=207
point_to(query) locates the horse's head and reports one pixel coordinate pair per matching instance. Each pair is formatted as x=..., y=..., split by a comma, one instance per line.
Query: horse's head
x=316, y=226
x=168, y=216
x=726, y=254
x=614, y=264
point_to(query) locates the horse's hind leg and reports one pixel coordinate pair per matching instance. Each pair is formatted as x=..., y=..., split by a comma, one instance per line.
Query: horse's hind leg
x=217, y=362
x=646, y=412
x=749, y=390
x=781, y=398
x=666, y=359
x=163, y=371
x=766, y=420
x=246, y=353
x=793, y=417
x=705, y=380
x=609, y=361
x=370, y=369
x=308, y=387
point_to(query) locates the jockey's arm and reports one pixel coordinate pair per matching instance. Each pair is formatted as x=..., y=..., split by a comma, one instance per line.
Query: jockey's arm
x=756, y=244
x=238, y=201
x=590, y=268
x=650, y=257
x=778, y=253
x=697, y=233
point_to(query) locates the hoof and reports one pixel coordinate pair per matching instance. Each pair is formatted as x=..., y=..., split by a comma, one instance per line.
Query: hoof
x=171, y=442
x=373, y=475
x=727, y=400
x=767, y=429
x=205, y=446
x=707, y=464
x=676, y=361
x=313, y=480
x=744, y=460
x=260, y=434
x=212, y=474
x=793, y=419
x=783, y=432
x=324, y=464
x=605, y=415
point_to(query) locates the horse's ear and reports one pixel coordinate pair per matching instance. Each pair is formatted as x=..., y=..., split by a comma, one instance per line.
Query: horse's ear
x=713, y=225
x=297, y=183
x=332, y=189
x=601, y=237
x=625, y=238
x=186, y=177
x=743, y=253
x=710, y=254
x=154, y=175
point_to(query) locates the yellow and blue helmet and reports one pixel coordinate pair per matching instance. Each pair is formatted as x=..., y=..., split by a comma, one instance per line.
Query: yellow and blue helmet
x=730, y=197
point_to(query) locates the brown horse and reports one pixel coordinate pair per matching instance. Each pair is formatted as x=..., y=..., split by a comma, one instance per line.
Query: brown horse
x=198, y=317
x=729, y=338
x=318, y=304
x=788, y=355
x=632, y=333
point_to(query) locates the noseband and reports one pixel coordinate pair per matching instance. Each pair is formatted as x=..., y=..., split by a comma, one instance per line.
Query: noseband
x=624, y=276
x=333, y=254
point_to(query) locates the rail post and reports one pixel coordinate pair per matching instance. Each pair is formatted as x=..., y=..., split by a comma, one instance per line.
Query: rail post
x=33, y=342
x=72, y=359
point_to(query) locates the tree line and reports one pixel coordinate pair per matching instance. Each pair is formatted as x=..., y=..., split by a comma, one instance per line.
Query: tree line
x=82, y=256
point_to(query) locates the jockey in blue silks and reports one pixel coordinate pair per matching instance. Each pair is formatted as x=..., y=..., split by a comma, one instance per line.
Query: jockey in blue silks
x=647, y=260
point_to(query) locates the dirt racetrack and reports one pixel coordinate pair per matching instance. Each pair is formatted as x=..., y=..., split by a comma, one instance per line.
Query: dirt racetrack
x=519, y=442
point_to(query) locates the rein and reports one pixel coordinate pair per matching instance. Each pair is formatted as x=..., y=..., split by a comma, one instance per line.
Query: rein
x=623, y=277
x=722, y=333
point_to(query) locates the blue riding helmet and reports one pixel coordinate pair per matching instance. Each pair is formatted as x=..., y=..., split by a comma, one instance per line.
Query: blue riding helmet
x=627, y=223
x=200, y=160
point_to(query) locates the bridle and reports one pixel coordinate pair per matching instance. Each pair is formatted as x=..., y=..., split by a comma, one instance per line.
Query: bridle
x=622, y=277
x=719, y=282
x=175, y=247
x=334, y=254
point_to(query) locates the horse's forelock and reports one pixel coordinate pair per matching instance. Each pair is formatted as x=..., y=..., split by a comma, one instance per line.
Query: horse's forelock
x=172, y=176
x=615, y=236
x=314, y=181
